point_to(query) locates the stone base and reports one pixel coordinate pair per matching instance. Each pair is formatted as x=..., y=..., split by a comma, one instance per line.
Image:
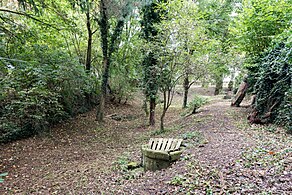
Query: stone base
x=151, y=164
x=157, y=160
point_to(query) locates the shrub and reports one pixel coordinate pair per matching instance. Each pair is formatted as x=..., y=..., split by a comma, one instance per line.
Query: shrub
x=274, y=84
x=196, y=103
x=34, y=96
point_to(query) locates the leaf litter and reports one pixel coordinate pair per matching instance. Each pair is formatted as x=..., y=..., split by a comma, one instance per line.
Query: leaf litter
x=224, y=155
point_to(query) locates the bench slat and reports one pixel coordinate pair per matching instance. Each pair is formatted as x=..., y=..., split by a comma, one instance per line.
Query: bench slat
x=179, y=141
x=173, y=144
x=154, y=144
x=168, y=144
x=151, y=143
x=164, y=144
x=159, y=144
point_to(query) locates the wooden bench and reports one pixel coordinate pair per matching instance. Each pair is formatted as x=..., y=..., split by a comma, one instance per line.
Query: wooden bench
x=160, y=152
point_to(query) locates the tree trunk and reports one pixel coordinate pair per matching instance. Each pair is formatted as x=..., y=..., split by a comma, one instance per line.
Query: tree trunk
x=186, y=91
x=100, y=110
x=152, y=103
x=253, y=99
x=263, y=118
x=219, y=85
x=88, y=56
x=104, y=32
x=240, y=94
x=166, y=104
x=162, y=121
x=89, y=43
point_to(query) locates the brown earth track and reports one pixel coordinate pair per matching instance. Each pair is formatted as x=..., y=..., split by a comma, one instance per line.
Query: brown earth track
x=77, y=157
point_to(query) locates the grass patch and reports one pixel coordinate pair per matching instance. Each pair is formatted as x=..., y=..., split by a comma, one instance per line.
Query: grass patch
x=178, y=180
x=127, y=169
x=122, y=162
x=166, y=130
x=198, y=177
x=194, y=137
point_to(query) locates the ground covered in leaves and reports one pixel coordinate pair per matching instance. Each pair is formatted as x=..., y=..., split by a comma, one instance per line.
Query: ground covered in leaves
x=224, y=154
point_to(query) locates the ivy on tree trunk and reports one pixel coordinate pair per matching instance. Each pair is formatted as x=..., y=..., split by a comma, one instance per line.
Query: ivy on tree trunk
x=151, y=16
x=108, y=48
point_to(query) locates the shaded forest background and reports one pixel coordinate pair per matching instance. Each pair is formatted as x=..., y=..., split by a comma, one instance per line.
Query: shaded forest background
x=62, y=58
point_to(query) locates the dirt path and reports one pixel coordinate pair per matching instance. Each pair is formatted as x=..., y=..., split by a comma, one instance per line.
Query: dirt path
x=234, y=158
x=222, y=144
x=225, y=141
x=223, y=155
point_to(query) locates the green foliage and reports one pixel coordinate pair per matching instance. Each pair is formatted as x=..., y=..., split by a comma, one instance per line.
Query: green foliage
x=285, y=111
x=274, y=82
x=259, y=21
x=42, y=80
x=179, y=180
x=196, y=103
x=128, y=168
x=122, y=162
x=219, y=59
x=36, y=95
x=258, y=24
x=195, y=136
x=1, y=177
x=126, y=66
x=152, y=15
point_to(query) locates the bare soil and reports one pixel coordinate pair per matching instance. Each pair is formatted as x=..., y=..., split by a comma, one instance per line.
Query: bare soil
x=224, y=154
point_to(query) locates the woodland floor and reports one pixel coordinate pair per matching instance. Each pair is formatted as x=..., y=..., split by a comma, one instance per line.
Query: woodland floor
x=224, y=154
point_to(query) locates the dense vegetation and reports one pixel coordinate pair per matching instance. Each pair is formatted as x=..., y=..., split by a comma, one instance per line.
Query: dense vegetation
x=264, y=33
x=61, y=58
x=274, y=84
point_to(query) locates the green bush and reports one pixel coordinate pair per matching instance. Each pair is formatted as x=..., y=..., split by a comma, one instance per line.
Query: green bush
x=285, y=111
x=28, y=112
x=35, y=95
x=274, y=83
x=196, y=103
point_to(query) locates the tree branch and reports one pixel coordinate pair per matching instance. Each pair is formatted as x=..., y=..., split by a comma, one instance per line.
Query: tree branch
x=94, y=31
x=29, y=16
x=191, y=83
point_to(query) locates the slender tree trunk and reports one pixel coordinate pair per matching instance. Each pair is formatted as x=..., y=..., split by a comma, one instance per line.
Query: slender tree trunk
x=151, y=86
x=100, y=112
x=162, y=120
x=165, y=107
x=186, y=91
x=89, y=43
x=88, y=55
x=152, y=105
x=231, y=82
